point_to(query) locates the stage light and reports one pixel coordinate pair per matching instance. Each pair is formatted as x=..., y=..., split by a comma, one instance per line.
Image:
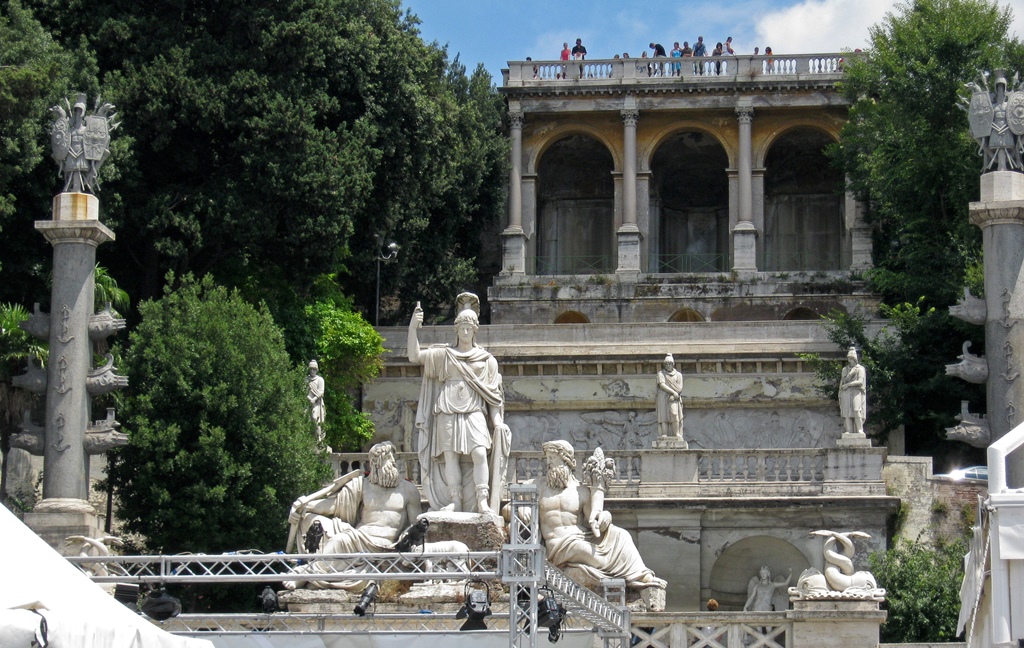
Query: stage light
x=477, y=606
x=550, y=614
x=413, y=536
x=160, y=605
x=366, y=599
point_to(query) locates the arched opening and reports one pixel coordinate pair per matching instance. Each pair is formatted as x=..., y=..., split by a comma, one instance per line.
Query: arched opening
x=686, y=315
x=742, y=561
x=689, y=205
x=801, y=313
x=572, y=317
x=575, y=208
x=803, y=204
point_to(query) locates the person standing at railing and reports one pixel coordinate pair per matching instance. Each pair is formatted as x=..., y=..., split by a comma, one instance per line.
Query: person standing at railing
x=769, y=62
x=717, y=53
x=728, y=47
x=700, y=50
x=565, y=57
x=579, y=53
x=659, y=52
x=676, y=52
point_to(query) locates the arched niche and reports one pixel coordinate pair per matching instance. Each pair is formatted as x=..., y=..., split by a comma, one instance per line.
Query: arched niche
x=802, y=313
x=689, y=205
x=803, y=203
x=575, y=208
x=572, y=317
x=740, y=561
x=686, y=315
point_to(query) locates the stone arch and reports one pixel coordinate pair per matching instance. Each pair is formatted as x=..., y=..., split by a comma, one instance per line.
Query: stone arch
x=801, y=313
x=738, y=562
x=826, y=128
x=572, y=317
x=559, y=133
x=575, y=207
x=689, y=204
x=686, y=315
x=803, y=203
x=646, y=152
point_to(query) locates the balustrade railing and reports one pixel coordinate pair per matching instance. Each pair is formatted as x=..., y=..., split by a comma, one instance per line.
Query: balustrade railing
x=561, y=265
x=761, y=465
x=677, y=263
x=715, y=630
x=675, y=70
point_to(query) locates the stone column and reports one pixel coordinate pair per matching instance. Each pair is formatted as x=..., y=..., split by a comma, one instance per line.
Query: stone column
x=744, y=234
x=513, y=238
x=74, y=232
x=1000, y=215
x=628, y=232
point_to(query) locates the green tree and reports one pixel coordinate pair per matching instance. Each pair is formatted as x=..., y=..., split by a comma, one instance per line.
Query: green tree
x=35, y=73
x=15, y=346
x=922, y=589
x=221, y=442
x=908, y=154
x=282, y=138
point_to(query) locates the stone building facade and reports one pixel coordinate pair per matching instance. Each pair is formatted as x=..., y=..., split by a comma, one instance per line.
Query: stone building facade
x=693, y=214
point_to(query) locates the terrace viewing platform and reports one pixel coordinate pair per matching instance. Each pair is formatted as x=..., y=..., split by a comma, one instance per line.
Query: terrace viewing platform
x=663, y=73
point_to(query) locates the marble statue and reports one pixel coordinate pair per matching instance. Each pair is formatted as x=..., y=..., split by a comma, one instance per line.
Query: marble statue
x=997, y=121
x=853, y=397
x=840, y=580
x=356, y=514
x=80, y=142
x=315, y=395
x=669, y=402
x=461, y=414
x=972, y=368
x=761, y=590
x=971, y=429
x=578, y=531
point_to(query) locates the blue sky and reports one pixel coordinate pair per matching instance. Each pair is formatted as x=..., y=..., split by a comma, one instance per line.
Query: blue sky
x=493, y=32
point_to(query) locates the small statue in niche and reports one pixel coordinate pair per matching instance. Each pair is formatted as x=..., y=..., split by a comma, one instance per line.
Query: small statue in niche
x=669, y=403
x=853, y=397
x=761, y=591
x=315, y=395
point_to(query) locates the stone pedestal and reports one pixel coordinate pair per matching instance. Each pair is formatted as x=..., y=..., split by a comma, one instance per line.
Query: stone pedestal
x=850, y=624
x=670, y=443
x=513, y=251
x=744, y=240
x=998, y=186
x=479, y=532
x=629, y=250
x=55, y=519
x=856, y=440
x=666, y=465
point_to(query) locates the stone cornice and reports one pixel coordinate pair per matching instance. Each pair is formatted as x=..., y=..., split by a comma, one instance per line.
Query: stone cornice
x=984, y=214
x=66, y=231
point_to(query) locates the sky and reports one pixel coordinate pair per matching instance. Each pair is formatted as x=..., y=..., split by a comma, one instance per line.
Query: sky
x=494, y=32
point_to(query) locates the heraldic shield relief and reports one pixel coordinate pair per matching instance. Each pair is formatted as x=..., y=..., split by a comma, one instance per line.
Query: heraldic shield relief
x=80, y=142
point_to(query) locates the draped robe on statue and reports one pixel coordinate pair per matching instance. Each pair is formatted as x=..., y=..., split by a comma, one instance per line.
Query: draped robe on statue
x=457, y=391
x=615, y=554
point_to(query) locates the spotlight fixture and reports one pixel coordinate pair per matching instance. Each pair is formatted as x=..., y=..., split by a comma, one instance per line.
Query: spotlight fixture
x=477, y=606
x=366, y=599
x=413, y=536
x=550, y=614
x=160, y=605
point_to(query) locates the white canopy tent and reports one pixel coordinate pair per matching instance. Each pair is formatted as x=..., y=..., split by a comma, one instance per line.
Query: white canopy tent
x=36, y=582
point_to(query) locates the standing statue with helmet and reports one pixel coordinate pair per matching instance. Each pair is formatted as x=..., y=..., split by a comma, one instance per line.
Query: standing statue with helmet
x=463, y=442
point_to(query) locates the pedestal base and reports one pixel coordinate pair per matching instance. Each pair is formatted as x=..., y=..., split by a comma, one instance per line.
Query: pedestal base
x=513, y=253
x=54, y=519
x=670, y=443
x=477, y=531
x=629, y=252
x=854, y=441
x=997, y=186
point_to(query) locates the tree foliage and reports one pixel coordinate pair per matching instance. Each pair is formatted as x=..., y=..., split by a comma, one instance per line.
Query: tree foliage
x=285, y=137
x=907, y=153
x=922, y=586
x=221, y=441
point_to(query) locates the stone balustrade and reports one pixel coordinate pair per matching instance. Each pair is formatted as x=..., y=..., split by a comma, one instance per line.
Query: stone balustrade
x=708, y=70
x=701, y=473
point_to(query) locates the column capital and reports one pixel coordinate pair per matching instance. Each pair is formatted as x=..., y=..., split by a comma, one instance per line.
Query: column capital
x=745, y=114
x=516, y=119
x=630, y=116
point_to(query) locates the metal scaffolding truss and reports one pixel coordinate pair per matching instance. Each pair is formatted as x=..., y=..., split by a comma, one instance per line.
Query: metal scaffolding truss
x=521, y=564
x=249, y=568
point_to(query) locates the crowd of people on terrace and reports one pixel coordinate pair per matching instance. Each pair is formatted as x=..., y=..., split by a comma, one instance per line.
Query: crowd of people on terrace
x=644, y=65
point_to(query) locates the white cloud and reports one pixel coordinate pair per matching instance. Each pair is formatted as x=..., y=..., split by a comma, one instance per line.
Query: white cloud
x=821, y=25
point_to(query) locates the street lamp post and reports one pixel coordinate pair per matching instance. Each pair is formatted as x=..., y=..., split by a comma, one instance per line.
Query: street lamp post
x=391, y=253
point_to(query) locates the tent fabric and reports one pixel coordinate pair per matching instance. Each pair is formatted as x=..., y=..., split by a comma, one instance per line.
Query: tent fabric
x=79, y=614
